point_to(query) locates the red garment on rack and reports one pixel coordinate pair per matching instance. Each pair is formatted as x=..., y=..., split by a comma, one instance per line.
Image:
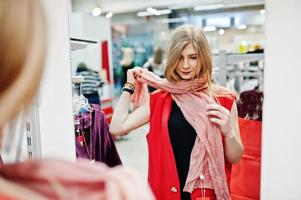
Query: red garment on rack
x=245, y=180
x=105, y=64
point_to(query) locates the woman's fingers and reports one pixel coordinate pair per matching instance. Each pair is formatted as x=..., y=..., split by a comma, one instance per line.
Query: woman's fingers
x=217, y=107
x=133, y=74
x=214, y=113
x=220, y=116
x=217, y=121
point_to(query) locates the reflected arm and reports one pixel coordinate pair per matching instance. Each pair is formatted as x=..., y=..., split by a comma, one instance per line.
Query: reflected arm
x=123, y=121
x=233, y=145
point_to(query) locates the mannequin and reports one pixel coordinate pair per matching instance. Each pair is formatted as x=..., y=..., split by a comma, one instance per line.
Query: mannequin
x=155, y=64
x=127, y=62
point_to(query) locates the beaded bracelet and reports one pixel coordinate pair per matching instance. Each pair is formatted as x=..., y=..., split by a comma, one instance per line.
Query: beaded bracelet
x=131, y=85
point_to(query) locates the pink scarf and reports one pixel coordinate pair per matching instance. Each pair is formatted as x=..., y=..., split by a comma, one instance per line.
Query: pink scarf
x=207, y=156
x=57, y=179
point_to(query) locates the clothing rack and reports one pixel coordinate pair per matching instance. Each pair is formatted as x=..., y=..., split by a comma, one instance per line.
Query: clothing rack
x=77, y=44
x=92, y=137
x=78, y=98
x=83, y=40
x=237, y=67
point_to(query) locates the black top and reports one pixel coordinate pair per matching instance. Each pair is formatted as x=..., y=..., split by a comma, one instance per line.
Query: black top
x=182, y=137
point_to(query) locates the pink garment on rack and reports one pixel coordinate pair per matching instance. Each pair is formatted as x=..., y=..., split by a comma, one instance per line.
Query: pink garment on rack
x=207, y=156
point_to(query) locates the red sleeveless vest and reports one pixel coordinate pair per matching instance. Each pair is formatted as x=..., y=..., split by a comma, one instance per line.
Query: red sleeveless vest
x=162, y=171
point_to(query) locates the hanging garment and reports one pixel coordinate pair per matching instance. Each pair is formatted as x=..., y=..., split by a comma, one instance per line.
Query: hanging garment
x=245, y=180
x=250, y=105
x=162, y=174
x=93, y=140
x=61, y=180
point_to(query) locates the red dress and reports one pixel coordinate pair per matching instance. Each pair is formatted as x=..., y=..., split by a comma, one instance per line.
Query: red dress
x=162, y=174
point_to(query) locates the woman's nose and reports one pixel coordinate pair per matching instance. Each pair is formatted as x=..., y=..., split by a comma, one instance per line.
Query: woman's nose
x=185, y=64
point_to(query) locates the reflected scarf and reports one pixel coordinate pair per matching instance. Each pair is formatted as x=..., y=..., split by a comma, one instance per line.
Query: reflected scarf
x=207, y=156
x=61, y=180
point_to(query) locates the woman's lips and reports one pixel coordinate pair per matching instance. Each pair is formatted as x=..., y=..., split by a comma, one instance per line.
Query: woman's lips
x=186, y=72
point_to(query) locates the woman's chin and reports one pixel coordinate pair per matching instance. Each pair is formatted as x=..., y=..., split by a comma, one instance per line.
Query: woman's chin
x=186, y=78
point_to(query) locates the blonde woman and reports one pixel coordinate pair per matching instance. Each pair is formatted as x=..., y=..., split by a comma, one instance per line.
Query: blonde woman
x=194, y=137
x=22, y=39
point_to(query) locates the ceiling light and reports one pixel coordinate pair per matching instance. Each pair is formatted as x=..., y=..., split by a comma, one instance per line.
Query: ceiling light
x=109, y=15
x=164, y=11
x=96, y=11
x=242, y=26
x=152, y=11
x=209, y=28
x=143, y=14
x=208, y=7
x=221, y=31
x=262, y=11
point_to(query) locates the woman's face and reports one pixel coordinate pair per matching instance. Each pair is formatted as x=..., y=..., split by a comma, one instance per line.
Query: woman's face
x=187, y=63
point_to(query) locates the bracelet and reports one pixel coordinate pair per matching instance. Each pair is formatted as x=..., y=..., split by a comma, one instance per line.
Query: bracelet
x=126, y=89
x=131, y=85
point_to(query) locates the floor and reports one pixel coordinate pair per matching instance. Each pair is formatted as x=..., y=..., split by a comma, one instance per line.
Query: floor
x=132, y=149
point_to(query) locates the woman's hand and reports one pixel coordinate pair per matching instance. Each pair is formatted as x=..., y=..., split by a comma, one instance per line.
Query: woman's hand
x=133, y=74
x=221, y=116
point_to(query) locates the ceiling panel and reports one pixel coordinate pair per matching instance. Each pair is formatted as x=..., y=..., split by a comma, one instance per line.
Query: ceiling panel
x=119, y=6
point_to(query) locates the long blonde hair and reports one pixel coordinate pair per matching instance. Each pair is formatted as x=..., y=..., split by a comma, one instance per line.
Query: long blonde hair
x=181, y=37
x=22, y=52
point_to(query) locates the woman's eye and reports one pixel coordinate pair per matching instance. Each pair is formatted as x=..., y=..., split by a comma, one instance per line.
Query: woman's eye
x=193, y=57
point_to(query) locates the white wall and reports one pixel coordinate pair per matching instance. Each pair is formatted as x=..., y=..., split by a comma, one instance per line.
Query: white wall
x=55, y=106
x=89, y=55
x=85, y=26
x=281, y=148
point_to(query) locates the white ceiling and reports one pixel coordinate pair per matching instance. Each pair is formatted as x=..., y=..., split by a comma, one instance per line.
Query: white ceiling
x=120, y=6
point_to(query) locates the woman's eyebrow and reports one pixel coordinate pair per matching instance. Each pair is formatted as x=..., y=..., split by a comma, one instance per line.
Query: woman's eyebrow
x=189, y=54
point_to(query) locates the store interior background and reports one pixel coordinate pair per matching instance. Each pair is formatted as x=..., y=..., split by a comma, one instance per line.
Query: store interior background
x=240, y=26
x=233, y=26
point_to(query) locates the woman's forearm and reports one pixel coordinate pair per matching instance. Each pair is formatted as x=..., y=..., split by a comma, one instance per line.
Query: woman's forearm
x=121, y=112
x=233, y=148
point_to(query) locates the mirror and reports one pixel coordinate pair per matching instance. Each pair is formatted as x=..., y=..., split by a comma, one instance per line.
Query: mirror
x=113, y=42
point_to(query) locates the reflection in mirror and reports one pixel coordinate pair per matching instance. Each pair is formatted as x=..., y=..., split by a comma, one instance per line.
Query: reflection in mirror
x=181, y=147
